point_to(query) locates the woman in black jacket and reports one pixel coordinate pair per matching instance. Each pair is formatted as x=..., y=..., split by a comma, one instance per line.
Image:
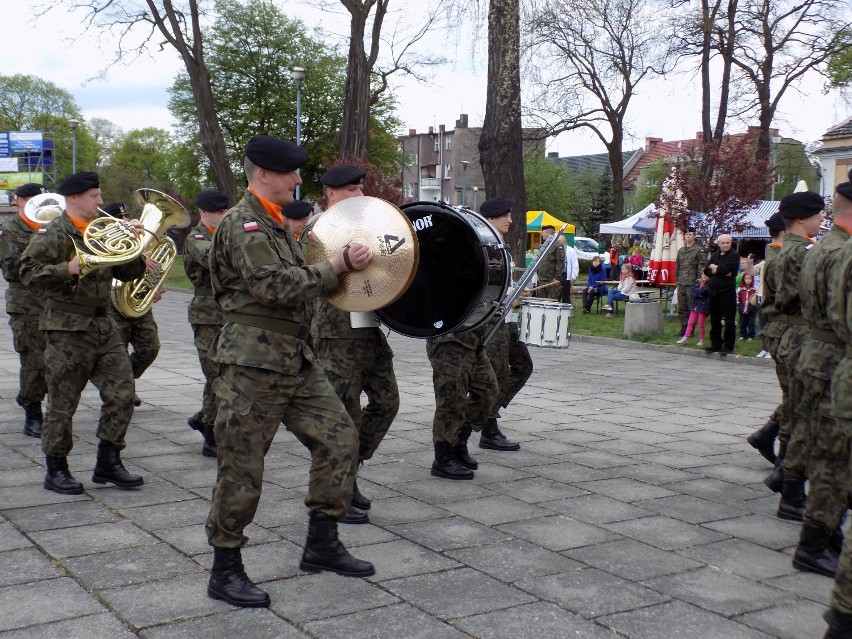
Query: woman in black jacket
x=722, y=267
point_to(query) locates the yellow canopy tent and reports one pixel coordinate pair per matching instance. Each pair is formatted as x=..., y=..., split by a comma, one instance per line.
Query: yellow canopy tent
x=537, y=219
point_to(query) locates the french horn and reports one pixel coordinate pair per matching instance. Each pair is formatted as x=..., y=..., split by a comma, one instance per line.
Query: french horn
x=160, y=212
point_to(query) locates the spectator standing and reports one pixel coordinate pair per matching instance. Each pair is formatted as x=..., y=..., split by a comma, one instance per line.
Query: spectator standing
x=688, y=265
x=636, y=261
x=747, y=306
x=722, y=269
x=699, y=311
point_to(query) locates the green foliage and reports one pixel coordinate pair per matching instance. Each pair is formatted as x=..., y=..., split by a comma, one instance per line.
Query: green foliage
x=650, y=184
x=553, y=188
x=840, y=64
x=250, y=49
x=793, y=165
x=139, y=158
x=603, y=205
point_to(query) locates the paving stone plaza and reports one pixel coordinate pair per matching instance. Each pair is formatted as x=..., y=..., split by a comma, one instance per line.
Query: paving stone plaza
x=634, y=509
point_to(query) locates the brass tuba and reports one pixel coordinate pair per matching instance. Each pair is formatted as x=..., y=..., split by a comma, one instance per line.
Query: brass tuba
x=44, y=207
x=159, y=213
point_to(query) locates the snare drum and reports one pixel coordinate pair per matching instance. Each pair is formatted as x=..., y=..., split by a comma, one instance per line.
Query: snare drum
x=545, y=324
x=462, y=275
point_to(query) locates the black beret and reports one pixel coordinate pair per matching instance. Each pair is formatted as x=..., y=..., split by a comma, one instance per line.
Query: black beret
x=275, y=154
x=690, y=229
x=342, y=175
x=801, y=205
x=297, y=209
x=496, y=207
x=212, y=200
x=116, y=209
x=775, y=222
x=29, y=190
x=845, y=189
x=79, y=182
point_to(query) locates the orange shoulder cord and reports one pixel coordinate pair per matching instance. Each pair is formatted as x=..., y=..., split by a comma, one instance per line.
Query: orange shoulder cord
x=273, y=209
x=844, y=227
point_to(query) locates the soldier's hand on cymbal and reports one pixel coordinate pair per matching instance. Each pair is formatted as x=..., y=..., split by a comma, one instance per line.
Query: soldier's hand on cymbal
x=353, y=258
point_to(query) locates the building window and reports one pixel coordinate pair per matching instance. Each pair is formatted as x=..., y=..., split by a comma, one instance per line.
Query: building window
x=437, y=144
x=448, y=171
x=448, y=144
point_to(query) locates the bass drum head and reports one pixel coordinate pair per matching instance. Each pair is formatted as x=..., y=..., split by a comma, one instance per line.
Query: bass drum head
x=456, y=276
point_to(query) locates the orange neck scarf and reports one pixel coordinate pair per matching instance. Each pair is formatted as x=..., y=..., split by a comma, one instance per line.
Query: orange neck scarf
x=212, y=229
x=845, y=227
x=35, y=226
x=272, y=208
x=80, y=225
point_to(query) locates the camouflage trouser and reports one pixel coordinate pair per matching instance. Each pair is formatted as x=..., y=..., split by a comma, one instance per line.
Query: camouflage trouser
x=787, y=355
x=828, y=456
x=72, y=359
x=204, y=335
x=29, y=344
x=252, y=403
x=841, y=408
x=511, y=362
x=356, y=365
x=684, y=302
x=781, y=414
x=141, y=334
x=465, y=386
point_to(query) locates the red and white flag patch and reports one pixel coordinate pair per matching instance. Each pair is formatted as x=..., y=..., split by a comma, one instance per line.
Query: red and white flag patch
x=199, y=236
x=250, y=226
x=42, y=231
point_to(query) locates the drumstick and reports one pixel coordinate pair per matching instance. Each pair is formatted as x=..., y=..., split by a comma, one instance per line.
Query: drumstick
x=538, y=288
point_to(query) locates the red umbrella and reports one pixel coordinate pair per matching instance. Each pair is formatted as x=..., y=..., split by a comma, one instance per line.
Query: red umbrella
x=667, y=241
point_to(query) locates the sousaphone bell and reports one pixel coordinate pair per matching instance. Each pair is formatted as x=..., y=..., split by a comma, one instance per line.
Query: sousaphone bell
x=391, y=237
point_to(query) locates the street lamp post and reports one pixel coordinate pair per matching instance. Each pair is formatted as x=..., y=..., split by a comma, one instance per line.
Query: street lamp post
x=74, y=124
x=475, y=191
x=298, y=74
x=464, y=164
x=775, y=141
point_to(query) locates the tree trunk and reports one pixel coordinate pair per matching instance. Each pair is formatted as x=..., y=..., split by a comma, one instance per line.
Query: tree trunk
x=616, y=165
x=501, y=150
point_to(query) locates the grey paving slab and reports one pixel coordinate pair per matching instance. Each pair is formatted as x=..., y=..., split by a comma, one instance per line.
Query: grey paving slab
x=788, y=621
x=449, y=533
x=806, y=585
x=632, y=560
x=309, y=597
x=230, y=624
x=545, y=620
x=24, y=566
x=11, y=539
x=626, y=490
x=130, y=566
x=759, y=529
x=693, y=510
x=743, y=558
x=61, y=515
x=665, y=532
x=558, y=532
x=536, y=489
x=400, y=621
x=91, y=539
x=96, y=626
x=512, y=560
x=596, y=509
x=495, y=510
x=23, y=605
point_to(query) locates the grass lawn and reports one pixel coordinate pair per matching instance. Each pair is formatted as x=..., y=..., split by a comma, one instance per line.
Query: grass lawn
x=177, y=276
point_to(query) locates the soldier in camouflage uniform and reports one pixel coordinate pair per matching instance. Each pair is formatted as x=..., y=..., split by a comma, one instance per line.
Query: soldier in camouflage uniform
x=204, y=313
x=268, y=374
x=802, y=213
x=24, y=305
x=82, y=342
x=509, y=357
x=839, y=313
x=550, y=269
x=763, y=439
x=355, y=354
x=689, y=264
x=828, y=447
x=139, y=332
x=465, y=386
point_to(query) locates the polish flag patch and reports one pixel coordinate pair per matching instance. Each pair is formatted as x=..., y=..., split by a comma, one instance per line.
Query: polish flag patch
x=1, y=232
x=42, y=231
x=248, y=227
x=199, y=236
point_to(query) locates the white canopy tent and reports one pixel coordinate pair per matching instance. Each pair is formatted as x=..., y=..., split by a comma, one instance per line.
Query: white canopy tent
x=625, y=227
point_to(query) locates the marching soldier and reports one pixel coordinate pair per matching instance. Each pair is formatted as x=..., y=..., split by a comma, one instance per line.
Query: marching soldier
x=689, y=264
x=24, y=305
x=839, y=616
x=268, y=375
x=827, y=445
x=204, y=313
x=355, y=355
x=297, y=215
x=82, y=342
x=802, y=213
x=139, y=332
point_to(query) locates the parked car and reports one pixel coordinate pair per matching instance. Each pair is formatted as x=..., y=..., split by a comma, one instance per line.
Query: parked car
x=587, y=248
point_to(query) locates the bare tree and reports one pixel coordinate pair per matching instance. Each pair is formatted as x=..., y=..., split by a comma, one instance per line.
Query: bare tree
x=590, y=56
x=778, y=42
x=501, y=152
x=365, y=81
x=120, y=21
x=105, y=133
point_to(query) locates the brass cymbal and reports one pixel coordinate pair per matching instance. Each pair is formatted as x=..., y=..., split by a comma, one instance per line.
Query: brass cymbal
x=391, y=237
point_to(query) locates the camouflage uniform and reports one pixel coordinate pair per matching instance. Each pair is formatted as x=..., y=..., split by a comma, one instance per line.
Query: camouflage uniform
x=510, y=359
x=82, y=342
x=24, y=305
x=771, y=333
x=204, y=313
x=689, y=265
x=268, y=373
x=840, y=315
x=141, y=333
x=551, y=268
x=465, y=384
x=788, y=304
x=822, y=349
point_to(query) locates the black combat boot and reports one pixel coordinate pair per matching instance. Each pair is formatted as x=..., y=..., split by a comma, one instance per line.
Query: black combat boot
x=207, y=430
x=445, y=464
x=763, y=440
x=793, y=500
x=110, y=469
x=813, y=553
x=137, y=401
x=355, y=515
x=229, y=582
x=323, y=550
x=59, y=478
x=359, y=500
x=839, y=625
x=460, y=451
x=775, y=480
x=493, y=439
x=32, y=418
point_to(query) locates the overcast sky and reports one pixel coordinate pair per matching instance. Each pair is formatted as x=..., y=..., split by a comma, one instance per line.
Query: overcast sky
x=136, y=96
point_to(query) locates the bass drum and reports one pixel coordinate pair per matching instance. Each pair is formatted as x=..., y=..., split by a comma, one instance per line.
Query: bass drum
x=462, y=276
